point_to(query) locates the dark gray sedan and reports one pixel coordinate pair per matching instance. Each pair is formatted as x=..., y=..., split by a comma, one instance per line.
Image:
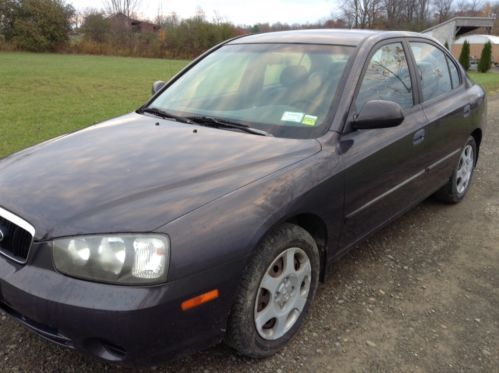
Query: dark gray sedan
x=210, y=213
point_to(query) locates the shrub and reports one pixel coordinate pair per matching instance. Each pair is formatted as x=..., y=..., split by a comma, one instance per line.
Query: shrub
x=464, y=57
x=36, y=25
x=485, y=58
x=96, y=27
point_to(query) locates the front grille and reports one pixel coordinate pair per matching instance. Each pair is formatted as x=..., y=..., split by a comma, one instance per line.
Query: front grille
x=16, y=236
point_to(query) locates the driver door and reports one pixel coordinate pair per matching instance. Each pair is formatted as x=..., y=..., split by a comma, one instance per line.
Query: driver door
x=384, y=169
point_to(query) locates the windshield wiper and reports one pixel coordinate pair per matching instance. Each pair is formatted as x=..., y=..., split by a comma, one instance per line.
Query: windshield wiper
x=223, y=123
x=164, y=114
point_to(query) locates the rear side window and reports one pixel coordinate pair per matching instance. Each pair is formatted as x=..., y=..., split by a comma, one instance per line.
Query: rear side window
x=432, y=69
x=387, y=78
x=454, y=75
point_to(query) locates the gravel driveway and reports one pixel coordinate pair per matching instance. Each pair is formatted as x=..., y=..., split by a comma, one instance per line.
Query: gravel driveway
x=421, y=295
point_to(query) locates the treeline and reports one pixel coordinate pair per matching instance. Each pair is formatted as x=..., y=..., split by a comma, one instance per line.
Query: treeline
x=53, y=25
x=414, y=15
x=172, y=37
x=99, y=33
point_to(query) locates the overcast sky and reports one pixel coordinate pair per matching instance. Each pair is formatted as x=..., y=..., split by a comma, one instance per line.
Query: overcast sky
x=237, y=11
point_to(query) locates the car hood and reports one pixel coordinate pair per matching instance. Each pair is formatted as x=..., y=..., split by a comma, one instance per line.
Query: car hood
x=135, y=173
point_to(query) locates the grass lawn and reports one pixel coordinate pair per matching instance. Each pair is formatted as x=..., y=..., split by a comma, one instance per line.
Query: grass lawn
x=489, y=81
x=45, y=95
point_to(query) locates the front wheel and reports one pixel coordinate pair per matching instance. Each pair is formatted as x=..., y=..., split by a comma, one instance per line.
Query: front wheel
x=277, y=288
x=460, y=181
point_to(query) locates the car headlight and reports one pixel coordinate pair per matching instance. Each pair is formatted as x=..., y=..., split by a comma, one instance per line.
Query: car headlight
x=132, y=259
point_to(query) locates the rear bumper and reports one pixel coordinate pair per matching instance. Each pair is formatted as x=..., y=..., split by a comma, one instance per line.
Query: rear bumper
x=118, y=323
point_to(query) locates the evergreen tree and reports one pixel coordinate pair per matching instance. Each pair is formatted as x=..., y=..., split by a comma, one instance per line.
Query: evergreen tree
x=464, y=57
x=446, y=45
x=485, y=58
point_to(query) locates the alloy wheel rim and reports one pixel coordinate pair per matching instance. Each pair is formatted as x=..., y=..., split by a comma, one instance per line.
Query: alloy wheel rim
x=464, y=169
x=283, y=293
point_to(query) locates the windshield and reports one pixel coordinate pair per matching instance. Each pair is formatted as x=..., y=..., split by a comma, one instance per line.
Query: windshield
x=284, y=89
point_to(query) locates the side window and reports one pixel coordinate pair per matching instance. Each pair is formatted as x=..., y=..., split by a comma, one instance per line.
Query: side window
x=454, y=75
x=433, y=70
x=387, y=78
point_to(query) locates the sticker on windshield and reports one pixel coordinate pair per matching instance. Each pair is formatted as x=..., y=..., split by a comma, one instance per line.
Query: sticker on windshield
x=309, y=120
x=290, y=116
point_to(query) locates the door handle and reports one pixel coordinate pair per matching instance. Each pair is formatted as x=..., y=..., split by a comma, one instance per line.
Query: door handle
x=467, y=110
x=418, y=137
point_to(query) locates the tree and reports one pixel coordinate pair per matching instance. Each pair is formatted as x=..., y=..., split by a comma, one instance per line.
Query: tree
x=96, y=27
x=464, y=57
x=485, y=58
x=362, y=13
x=36, y=25
x=443, y=9
x=127, y=7
x=7, y=9
x=395, y=14
x=446, y=45
x=475, y=6
x=422, y=7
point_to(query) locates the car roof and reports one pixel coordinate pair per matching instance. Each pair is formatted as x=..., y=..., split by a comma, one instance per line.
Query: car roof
x=322, y=36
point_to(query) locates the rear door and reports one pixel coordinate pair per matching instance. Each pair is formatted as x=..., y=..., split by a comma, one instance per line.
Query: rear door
x=384, y=168
x=446, y=104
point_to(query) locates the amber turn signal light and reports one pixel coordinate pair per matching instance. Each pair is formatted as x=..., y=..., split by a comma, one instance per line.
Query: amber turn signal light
x=199, y=300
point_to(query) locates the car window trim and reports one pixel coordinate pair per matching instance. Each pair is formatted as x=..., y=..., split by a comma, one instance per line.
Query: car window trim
x=415, y=95
x=450, y=75
x=414, y=74
x=449, y=61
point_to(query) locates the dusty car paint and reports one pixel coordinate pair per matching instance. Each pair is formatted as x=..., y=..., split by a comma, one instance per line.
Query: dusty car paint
x=215, y=193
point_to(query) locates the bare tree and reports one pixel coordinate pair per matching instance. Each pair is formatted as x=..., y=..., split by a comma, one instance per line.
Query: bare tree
x=443, y=9
x=218, y=19
x=362, y=13
x=475, y=6
x=410, y=9
x=127, y=7
x=470, y=7
x=422, y=13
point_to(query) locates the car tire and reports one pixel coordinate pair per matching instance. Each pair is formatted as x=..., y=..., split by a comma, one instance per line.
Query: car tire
x=274, y=297
x=460, y=181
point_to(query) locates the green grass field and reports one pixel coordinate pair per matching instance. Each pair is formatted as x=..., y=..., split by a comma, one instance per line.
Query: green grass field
x=45, y=95
x=489, y=81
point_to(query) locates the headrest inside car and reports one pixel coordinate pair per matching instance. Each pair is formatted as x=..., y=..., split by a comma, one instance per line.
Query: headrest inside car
x=293, y=74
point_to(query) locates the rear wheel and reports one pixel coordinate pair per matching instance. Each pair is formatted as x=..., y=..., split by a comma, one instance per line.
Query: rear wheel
x=276, y=291
x=460, y=181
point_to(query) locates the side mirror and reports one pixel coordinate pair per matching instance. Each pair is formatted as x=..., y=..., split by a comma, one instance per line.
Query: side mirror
x=379, y=114
x=156, y=86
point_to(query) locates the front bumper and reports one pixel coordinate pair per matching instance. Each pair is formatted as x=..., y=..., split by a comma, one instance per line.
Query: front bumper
x=117, y=323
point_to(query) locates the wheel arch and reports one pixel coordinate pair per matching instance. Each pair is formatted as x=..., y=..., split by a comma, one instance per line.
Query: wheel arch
x=477, y=135
x=317, y=228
